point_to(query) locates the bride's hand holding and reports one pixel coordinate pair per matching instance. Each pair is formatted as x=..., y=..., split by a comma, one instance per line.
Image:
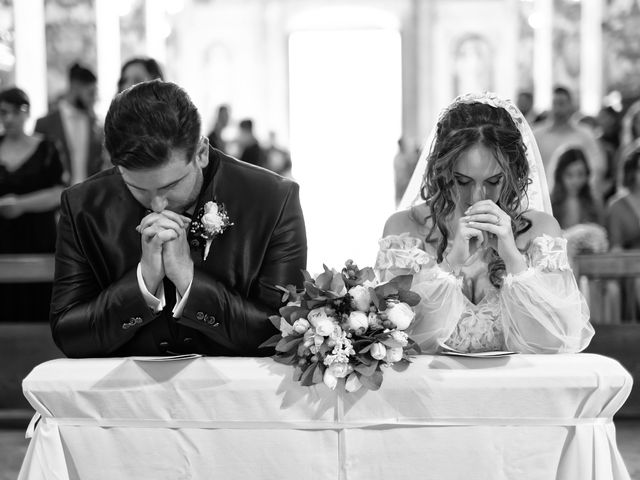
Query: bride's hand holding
x=464, y=237
x=486, y=216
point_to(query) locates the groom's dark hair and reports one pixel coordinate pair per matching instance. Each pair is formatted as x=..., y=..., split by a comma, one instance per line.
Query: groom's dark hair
x=148, y=121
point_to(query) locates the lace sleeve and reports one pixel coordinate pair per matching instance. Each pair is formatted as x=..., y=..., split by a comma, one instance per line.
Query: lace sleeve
x=543, y=311
x=400, y=255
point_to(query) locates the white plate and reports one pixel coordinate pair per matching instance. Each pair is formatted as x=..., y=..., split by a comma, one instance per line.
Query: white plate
x=497, y=353
x=172, y=358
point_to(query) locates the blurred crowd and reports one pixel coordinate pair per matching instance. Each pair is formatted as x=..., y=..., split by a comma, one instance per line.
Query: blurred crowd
x=591, y=165
x=66, y=148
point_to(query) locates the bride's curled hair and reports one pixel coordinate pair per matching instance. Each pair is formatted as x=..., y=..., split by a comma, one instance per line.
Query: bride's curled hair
x=463, y=126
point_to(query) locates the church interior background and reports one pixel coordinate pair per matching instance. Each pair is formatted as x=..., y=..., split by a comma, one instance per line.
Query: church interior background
x=338, y=82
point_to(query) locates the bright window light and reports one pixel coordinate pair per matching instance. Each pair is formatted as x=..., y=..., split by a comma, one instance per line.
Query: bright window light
x=345, y=101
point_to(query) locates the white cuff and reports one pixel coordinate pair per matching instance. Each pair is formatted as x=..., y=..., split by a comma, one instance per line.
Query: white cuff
x=154, y=302
x=181, y=301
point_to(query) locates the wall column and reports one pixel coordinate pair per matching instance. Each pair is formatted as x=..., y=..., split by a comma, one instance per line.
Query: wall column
x=108, y=52
x=543, y=54
x=591, y=62
x=31, y=54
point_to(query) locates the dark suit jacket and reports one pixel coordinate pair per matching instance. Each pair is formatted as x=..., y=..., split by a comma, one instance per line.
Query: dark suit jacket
x=97, y=307
x=51, y=126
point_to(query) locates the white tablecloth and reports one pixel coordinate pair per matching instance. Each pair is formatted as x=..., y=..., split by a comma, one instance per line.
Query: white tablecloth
x=519, y=417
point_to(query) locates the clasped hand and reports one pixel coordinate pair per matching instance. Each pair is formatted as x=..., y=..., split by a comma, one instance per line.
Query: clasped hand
x=165, y=250
x=485, y=224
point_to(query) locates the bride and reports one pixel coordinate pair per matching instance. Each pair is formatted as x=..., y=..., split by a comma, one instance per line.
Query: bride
x=486, y=253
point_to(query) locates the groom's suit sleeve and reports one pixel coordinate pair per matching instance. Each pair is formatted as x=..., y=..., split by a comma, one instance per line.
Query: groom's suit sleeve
x=238, y=323
x=89, y=315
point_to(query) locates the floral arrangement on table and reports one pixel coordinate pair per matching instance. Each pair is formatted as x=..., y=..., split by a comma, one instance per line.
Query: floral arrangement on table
x=586, y=238
x=344, y=325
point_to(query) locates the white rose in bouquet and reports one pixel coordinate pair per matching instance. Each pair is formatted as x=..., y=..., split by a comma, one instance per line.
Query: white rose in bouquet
x=353, y=383
x=301, y=325
x=378, y=351
x=393, y=355
x=322, y=323
x=358, y=322
x=340, y=369
x=401, y=315
x=361, y=298
x=329, y=379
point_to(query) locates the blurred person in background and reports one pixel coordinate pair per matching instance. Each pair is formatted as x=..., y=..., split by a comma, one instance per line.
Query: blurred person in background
x=250, y=149
x=623, y=214
x=137, y=70
x=524, y=102
x=74, y=128
x=278, y=158
x=404, y=163
x=30, y=188
x=608, y=136
x=571, y=197
x=629, y=142
x=580, y=216
x=623, y=219
x=558, y=131
x=220, y=123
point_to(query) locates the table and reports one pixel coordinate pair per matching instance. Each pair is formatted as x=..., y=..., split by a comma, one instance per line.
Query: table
x=517, y=417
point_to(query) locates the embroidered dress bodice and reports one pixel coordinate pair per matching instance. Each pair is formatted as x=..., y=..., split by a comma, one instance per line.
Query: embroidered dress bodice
x=539, y=310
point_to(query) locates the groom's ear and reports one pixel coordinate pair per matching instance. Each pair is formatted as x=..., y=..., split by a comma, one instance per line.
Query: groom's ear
x=202, y=153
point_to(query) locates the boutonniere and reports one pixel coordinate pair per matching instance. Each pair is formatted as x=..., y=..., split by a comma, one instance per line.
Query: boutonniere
x=211, y=221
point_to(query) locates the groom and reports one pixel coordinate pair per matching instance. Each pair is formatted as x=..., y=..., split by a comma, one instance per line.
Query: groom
x=139, y=271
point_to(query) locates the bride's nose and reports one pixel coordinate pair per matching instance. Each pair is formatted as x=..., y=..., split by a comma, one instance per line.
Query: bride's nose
x=479, y=193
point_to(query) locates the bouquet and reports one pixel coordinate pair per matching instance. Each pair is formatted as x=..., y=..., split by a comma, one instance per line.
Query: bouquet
x=344, y=325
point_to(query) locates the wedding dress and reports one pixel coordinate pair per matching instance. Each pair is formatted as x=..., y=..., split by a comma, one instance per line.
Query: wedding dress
x=539, y=310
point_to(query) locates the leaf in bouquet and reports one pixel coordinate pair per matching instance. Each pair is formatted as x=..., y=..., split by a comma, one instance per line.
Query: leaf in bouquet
x=312, y=290
x=337, y=283
x=324, y=279
x=287, y=359
x=366, y=274
x=373, y=381
x=324, y=348
x=402, y=282
x=367, y=370
x=308, y=375
x=401, y=366
x=307, y=276
x=374, y=297
x=365, y=359
x=271, y=342
x=410, y=298
x=412, y=347
x=386, y=290
x=311, y=304
x=318, y=374
x=365, y=349
x=292, y=313
x=287, y=344
x=275, y=319
x=297, y=373
x=298, y=314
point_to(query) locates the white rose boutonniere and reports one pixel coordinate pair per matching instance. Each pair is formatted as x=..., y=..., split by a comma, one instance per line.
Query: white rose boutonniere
x=212, y=220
